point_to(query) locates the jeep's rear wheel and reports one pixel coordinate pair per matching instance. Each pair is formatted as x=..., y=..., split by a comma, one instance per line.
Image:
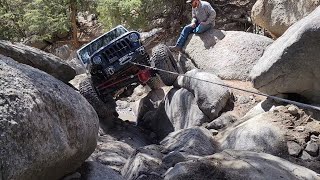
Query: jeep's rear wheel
x=162, y=58
x=105, y=110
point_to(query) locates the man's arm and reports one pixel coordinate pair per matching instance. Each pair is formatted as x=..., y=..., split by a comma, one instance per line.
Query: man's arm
x=212, y=14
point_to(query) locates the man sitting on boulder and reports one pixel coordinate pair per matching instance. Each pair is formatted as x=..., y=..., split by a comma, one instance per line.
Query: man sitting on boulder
x=203, y=18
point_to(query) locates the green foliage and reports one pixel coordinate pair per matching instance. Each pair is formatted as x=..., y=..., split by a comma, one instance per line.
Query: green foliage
x=11, y=19
x=43, y=17
x=138, y=14
x=114, y=12
x=39, y=19
x=134, y=14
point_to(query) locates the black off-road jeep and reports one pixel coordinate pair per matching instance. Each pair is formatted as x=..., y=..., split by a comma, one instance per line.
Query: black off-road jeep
x=111, y=74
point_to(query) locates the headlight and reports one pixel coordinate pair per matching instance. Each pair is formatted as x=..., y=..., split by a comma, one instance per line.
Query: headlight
x=133, y=37
x=97, y=60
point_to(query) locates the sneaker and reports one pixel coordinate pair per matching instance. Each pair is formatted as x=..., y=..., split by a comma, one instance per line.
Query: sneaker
x=175, y=48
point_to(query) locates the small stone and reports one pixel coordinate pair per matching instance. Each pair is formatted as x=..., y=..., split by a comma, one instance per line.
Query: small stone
x=214, y=132
x=294, y=148
x=290, y=127
x=279, y=108
x=122, y=104
x=274, y=109
x=288, y=122
x=306, y=156
x=243, y=99
x=293, y=110
x=300, y=128
x=312, y=149
x=224, y=120
x=314, y=138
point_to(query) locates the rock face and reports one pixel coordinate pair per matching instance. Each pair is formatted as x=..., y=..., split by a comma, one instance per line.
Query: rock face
x=115, y=148
x=211, y=98
x=193, y=141
x=260, y=108
x=195, y=103
x=150, y=102
x=152, y=161
x=235, y=165
x=224, y=120
x=277, y=132
x=278, y=15
x=182, y=109
x=97, y=171
x=229, y=54
x=256, y=134
x=75, y=82
x=77, y=66
x=144, y=161
x=38, y=59
x=47, y=129
x=63, y=52
x=291, y=64
x=114, y=153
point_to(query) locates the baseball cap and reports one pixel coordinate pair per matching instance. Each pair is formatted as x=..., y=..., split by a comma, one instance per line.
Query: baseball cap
x=189, y=1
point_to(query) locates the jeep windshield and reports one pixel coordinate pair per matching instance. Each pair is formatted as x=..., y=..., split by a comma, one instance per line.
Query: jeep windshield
x=85, y=52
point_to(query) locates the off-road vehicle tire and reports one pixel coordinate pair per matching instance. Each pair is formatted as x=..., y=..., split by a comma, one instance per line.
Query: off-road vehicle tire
x=105, y=111
x=162, y=58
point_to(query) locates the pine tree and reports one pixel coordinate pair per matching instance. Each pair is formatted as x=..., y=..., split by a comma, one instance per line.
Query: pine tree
x=137, y=14
x=40, y=19
x=11, y=19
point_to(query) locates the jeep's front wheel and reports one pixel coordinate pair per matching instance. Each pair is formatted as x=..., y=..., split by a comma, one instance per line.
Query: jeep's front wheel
x=162, y=58
x=105, y=111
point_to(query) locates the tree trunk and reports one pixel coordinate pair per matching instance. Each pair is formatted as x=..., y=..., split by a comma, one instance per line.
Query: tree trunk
x=73, y=11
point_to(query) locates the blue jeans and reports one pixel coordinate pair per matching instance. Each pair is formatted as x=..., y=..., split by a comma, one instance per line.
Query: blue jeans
x=187, y=30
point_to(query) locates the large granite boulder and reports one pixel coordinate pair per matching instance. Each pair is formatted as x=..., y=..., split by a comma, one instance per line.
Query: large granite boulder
x=284, y=131
x=208, y=90
x=278, y=15
x=38, y=59
x=291, y=64
x=145, y=162
x=229, y=54
x=149, y=103
x=239, y=165
x=152, y=161
x=113, y=153
x=259, y=133
x=195, y=103
x=47, y=129
x=96, y=171
x=182, y=109
x=193, y=141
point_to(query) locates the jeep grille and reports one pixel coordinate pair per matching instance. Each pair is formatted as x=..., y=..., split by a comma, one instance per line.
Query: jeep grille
x=118, y=49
